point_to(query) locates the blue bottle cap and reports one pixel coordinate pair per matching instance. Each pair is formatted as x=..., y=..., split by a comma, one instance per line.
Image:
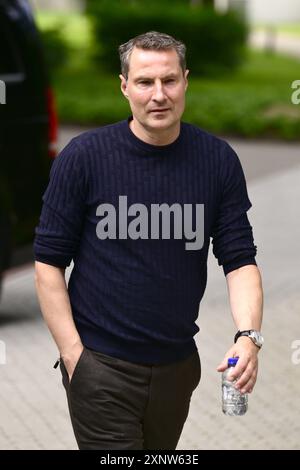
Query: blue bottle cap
x=232, y=361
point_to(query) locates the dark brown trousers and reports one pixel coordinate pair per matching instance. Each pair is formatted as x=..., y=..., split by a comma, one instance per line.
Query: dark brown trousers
x=115, y=404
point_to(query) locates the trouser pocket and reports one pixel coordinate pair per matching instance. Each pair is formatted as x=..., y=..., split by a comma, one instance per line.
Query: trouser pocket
x=77, y=370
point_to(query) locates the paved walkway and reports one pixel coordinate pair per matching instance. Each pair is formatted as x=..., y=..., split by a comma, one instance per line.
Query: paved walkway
x=280, y=42
x=32, y=401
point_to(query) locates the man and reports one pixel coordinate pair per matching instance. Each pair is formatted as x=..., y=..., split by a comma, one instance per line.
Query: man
x=124, y=327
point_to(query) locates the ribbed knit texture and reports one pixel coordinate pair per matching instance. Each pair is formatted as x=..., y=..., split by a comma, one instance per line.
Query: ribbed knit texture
x=138, y=299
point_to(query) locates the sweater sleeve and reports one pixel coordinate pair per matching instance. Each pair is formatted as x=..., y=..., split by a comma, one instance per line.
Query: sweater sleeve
x=232, y=237
x=57, y=235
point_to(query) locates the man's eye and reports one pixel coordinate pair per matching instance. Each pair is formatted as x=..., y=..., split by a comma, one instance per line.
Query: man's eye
x=170, y=80
x=145, y=82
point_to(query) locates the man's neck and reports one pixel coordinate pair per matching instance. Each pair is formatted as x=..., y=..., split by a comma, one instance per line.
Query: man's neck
x=163, y=137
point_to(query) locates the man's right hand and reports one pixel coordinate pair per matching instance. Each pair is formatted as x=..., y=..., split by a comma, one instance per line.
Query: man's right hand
x=70, y=358
x=57, y=311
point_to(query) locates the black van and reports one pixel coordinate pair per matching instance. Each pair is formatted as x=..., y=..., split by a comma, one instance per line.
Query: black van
x=28, y=127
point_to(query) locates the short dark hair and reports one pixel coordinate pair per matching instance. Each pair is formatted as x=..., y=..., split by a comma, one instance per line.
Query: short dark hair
x=152, y=40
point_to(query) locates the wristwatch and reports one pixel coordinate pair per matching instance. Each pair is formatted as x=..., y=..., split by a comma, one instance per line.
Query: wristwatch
x=256, y=336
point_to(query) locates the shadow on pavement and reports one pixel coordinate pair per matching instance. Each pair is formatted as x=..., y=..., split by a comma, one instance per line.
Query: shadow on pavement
x=7, y=318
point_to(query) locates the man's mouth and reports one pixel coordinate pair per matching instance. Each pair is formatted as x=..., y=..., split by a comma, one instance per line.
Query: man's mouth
x=159, y=110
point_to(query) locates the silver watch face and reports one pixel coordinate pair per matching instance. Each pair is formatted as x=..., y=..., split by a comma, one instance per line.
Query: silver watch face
x=257, y=338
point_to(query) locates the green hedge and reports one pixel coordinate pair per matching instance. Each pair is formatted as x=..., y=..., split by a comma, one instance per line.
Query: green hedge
x=56, y=49
x=215, y=43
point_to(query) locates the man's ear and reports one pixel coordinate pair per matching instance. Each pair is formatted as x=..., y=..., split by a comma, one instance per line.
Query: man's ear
x=185, y=76
x=123, y=85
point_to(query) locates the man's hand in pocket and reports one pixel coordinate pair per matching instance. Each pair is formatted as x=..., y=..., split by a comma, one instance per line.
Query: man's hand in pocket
x=70, y=358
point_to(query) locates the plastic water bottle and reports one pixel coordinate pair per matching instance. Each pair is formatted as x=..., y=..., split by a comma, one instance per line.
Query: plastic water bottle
x=234, y=403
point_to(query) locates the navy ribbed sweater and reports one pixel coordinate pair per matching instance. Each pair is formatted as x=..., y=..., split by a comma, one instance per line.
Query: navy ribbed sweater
x=138, y=299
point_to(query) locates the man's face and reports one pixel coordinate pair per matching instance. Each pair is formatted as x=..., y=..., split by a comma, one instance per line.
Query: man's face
x=155, y=89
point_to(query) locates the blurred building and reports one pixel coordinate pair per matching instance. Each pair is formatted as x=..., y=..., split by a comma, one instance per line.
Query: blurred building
x=264, y=11
x=58, y=5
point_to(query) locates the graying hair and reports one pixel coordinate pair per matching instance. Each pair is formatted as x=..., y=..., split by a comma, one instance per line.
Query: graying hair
x=152, y=40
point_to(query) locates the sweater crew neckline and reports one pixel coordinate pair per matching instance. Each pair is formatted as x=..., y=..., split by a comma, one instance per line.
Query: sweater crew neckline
x=151, y=147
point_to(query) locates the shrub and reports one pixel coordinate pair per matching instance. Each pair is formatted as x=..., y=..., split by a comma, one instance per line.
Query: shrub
x=215, y=42
x=56, y=50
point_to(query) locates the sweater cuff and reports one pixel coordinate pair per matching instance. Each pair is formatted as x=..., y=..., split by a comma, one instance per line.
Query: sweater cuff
x=52, y=262
x=227, y=268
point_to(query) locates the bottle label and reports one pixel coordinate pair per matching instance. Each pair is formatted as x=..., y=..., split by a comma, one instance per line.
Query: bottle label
x=234, y=403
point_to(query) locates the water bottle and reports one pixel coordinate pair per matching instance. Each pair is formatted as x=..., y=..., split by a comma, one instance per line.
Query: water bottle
x=234, y=403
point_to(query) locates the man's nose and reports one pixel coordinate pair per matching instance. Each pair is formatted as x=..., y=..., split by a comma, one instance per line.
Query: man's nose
x=158, y=92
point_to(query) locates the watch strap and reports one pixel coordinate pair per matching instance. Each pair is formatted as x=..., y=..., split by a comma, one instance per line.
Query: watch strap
x=241, y=333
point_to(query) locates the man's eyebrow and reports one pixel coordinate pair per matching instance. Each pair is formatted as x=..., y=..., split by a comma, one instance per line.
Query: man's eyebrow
x=171, y=75
x=141, y=77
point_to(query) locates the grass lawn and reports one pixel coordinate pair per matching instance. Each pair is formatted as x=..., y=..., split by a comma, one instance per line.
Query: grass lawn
x=253, y=101
x=292, y=29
